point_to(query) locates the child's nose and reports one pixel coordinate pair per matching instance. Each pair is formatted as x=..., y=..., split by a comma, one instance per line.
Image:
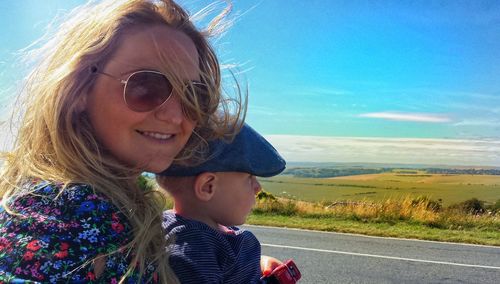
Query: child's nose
x=256, y=185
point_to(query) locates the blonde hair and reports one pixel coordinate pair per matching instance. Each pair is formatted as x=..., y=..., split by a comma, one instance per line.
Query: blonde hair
x=56, y=142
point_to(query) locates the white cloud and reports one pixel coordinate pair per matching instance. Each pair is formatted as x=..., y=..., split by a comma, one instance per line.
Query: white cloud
x=388, y=150
x=400, y=116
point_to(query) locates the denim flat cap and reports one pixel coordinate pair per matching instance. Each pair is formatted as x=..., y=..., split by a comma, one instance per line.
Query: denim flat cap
x=249, y=152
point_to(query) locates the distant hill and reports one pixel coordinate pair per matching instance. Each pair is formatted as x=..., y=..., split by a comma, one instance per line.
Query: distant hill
x=464, y=171
x=325, y=172
x=328, y=171
x=293, y=164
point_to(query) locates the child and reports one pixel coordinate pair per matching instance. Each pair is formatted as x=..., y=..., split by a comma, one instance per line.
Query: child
x=209, y=200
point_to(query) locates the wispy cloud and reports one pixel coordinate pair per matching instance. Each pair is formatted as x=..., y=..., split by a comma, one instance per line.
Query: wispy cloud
x=485, y=109
x=325, y=91
x=402, y=116
x=388, y=150
x=440, y=93
x=304, y=91
x=478, y=122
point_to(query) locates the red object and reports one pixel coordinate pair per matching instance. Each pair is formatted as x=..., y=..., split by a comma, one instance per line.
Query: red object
x=286, y=273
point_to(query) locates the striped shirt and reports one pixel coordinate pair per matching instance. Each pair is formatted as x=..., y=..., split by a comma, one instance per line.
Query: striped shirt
x=201, y=254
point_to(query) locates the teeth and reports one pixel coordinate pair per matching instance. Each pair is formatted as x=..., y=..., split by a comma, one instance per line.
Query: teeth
x=157, y=135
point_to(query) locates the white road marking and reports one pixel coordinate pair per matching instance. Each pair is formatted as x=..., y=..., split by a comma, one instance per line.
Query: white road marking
x=368, y=236
x=382, y=256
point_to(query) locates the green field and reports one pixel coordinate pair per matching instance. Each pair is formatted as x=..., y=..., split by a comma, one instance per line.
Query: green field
x=377, y=187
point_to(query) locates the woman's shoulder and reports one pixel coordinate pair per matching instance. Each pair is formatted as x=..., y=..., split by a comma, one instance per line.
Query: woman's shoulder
x=56, y=230
x=61, y=202
x=53, y=190
x=70, y=207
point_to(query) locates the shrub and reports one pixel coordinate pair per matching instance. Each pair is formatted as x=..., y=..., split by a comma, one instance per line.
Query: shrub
x=265, y=195
x=496, y=207
x=470, y=206
x=144, y=183
x=430, y=204
x=274, y=206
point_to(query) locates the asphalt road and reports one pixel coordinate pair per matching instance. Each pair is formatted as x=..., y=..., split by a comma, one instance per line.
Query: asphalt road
x=346, y=258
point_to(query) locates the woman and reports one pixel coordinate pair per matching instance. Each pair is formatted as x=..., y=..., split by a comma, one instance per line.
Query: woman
x=118, y=91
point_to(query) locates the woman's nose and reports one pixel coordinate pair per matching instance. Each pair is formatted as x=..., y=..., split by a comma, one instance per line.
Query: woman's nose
x=171, y=110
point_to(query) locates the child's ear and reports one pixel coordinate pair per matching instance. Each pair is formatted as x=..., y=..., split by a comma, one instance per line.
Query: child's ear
x=205, y=186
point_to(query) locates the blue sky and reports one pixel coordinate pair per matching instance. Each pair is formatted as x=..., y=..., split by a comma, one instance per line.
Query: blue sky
x=385, y=69
x=394, y=70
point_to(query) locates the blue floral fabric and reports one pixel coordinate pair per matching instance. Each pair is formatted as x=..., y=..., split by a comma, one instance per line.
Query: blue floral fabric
x=55, y=237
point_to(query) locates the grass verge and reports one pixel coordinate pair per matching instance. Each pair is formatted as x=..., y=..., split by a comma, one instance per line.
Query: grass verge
x=407, y=218
x=384, y=229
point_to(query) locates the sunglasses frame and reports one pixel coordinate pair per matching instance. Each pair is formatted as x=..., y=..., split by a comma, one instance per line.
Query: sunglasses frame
x=125, y=82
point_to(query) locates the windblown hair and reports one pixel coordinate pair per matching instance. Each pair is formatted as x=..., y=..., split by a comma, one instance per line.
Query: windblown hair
x=56, y=140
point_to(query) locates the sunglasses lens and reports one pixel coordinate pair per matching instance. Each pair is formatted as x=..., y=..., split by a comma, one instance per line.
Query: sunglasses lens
x=147, y=90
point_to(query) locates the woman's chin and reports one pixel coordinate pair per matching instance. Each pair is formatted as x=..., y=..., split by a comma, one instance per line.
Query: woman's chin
x=158, y=166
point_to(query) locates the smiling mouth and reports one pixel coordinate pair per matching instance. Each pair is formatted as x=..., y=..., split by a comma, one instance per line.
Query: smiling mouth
x=156, y=135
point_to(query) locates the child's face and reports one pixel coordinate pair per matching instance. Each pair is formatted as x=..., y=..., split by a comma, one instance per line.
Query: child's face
x=234, y=197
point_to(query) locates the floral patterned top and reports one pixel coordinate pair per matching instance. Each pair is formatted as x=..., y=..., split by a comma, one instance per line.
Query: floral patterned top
x=55, y=239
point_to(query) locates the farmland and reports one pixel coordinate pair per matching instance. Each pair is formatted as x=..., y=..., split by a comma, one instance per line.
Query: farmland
x=407, y=203
x=393, y=184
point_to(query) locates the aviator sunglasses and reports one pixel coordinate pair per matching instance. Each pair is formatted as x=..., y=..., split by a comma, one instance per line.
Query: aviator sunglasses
x=146, y=90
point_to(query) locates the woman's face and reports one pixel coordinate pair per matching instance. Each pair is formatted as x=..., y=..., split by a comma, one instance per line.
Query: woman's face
x=148, y=141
